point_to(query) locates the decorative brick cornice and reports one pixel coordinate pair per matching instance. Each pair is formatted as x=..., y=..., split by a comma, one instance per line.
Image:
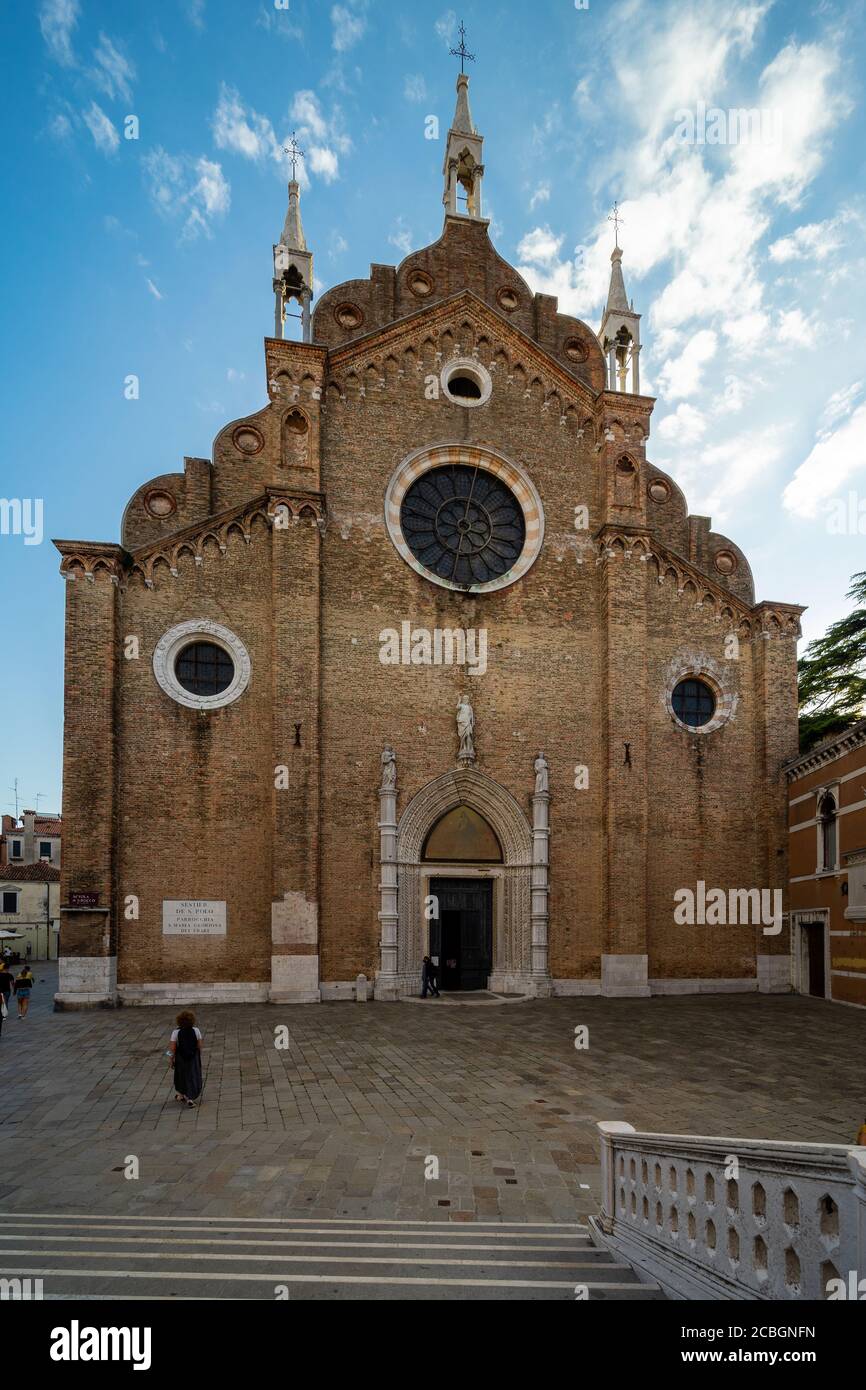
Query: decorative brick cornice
x=93, y=559
x=90, y=559
x=362, y=351
x=769, y=619
x=827, y=752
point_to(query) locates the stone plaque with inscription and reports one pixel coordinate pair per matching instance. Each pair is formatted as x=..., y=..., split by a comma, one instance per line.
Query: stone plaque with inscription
x=189, y=918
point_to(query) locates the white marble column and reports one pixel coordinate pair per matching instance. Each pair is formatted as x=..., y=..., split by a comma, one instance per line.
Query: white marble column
x=540, y=891
x=386, y=980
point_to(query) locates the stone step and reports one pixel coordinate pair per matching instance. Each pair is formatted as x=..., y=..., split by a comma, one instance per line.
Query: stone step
x=143, y=1257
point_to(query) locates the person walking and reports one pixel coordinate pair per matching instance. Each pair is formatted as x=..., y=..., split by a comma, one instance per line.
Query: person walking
x=7, y=984
x=23, y=987
x=184, y=1050
x=428, y=979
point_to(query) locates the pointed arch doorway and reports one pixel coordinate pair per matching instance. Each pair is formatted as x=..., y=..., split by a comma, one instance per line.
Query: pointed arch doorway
x=460, y=915
x=463, y=849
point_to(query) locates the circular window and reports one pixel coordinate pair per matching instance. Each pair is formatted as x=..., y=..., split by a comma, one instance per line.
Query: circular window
x=508, y=299
x=203, y=668
x=659, y=491
x=159, y=504
x=464, y=517
x=463, y=525
x=466, y=382
x=694, y=703
x=726, y=562
x=575, y=350
x=202, y=665
x=348, y=316
x=421, y=284
x=248, y=441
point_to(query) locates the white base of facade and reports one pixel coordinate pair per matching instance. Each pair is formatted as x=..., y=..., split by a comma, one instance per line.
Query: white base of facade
x=86, y=982
x=340, y=991
x=91, y=982
x=774, y=974
x=195, y=992
x=571, y=989
x=295, y=980
x=745, y=985
x=625, y=977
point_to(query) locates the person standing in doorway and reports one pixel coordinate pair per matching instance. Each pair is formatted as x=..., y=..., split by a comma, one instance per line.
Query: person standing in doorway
x=185, y=1052
x=428, y=978
x=23, y=988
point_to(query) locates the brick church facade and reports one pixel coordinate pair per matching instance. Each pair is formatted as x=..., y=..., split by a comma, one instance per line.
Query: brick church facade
x=429, y=658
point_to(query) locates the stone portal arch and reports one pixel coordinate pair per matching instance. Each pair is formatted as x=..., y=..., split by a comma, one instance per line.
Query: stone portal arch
x=405, y=885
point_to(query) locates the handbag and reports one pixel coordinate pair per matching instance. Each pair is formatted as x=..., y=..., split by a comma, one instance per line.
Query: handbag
x=4, y=1012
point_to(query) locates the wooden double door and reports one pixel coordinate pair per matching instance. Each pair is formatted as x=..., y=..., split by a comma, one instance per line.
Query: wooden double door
x=461, y=938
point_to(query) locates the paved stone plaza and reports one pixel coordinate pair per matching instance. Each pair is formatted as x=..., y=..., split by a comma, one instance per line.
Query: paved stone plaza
x=339, y=1126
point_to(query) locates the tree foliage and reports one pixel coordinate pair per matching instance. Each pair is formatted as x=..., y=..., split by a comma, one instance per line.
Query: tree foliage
x=832, y=674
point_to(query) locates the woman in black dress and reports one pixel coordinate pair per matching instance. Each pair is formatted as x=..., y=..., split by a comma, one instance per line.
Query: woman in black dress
x=185, y=1053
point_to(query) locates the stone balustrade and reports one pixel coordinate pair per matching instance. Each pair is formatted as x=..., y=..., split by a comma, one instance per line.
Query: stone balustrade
x=719, y=1218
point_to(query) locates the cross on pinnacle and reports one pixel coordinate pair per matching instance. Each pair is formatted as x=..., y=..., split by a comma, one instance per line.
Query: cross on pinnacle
x=463, y=52
x=295, y=153
x=618, y=221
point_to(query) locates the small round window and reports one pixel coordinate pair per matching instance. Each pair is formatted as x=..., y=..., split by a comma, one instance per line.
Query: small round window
x=202, y=665
x=203, y=668
x=694, y=703
x=466, y=382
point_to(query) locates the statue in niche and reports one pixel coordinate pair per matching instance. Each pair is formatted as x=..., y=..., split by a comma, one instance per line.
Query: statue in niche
x=389, y=770
x=542, y=776
x=466, y=730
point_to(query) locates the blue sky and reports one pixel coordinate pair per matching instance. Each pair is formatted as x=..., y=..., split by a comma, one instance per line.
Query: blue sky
x=152, y=256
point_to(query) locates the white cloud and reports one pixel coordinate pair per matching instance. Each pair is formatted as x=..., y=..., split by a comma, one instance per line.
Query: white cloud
x=349, y=26
x=446, y=27
x=278, y=22
x=195, y=13
x=540, y=247
x=836, y=457
x=307, y=110
x=841, y=404
x=60, y=128
x=192, y=191
x=244, y=132
x=685, y=426
x=114, y=73
x=105, y=136
x=322, y=136
x=232, y=374
x=541, y=195
x=414, y=87
x=401, y=237
x=57, y=19
x=324, y=162
x=683, y=376
x=152, y=288
x=795, y=328
x=814, y=241
x=720, y=473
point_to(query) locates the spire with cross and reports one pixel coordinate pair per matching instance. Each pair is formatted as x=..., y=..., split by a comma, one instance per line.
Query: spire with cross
x=618, y=221
x=463, y=52
x=295, y=153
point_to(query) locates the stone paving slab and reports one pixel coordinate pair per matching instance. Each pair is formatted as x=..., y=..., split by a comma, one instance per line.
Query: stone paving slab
x=344, y=1121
